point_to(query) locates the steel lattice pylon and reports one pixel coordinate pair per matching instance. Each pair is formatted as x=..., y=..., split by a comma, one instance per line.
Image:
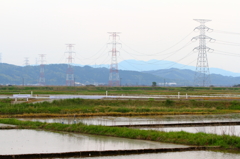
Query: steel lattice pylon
x=70, y=74
x=202, y=74
x=42, y=75
x=114, y=79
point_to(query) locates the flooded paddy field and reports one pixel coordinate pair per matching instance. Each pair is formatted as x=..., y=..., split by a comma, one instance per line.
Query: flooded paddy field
x=170, y=155
x=32, y=142
x=220, y=130
x=6, y=125
x=138, y=120
x=164, y=119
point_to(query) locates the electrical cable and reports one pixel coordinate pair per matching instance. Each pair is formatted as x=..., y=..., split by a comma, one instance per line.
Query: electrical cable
x=171, y=54
x=181, y=59
x=226, y=32
x=226, y=53
x=130, y=64
x=60, y=59
x=143, y=54
x=105, y=47
x=226, y=43
x=95, y=59
x=189, y=63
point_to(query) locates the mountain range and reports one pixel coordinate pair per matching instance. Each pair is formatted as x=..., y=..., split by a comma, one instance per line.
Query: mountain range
x=55, y=74
x=136, y=65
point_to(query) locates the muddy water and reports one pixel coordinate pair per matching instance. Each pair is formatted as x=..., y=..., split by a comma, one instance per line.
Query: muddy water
x=172, y=155
x=32, y=141
x=141, y=119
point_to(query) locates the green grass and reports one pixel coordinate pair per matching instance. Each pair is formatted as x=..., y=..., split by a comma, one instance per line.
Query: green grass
x=92, y=106
x=101, y=90
x=199, y=139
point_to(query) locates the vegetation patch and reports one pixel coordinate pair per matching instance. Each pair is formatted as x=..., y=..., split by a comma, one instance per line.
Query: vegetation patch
x=83, y=107
x=199, y=139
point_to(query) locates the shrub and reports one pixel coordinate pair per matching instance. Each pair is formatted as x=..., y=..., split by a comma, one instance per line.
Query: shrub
x=235, y=105
x=169, y=102
x=151, y=99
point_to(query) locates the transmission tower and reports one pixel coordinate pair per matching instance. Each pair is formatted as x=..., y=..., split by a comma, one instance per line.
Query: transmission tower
x=42, y=74
x=36, y=61
x=70, y=73
x=202, y=75
x=114, y=79
x=26, y=61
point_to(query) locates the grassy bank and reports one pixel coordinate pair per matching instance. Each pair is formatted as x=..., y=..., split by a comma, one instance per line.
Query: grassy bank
x=200, y=139
x=128, y=90
x=84, y=107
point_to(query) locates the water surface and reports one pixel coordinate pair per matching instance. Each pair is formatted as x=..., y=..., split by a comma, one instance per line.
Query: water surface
x=172, y=155
x=32, y=141
x=220, y=130
x=159, y=119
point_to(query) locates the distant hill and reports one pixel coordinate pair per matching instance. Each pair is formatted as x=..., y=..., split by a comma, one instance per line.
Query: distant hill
x=186, y=77
x=136, y=65
x=55, y=74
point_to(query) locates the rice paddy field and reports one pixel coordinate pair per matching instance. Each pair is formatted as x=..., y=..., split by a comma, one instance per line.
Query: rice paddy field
x=101, y=90
x=74, y=118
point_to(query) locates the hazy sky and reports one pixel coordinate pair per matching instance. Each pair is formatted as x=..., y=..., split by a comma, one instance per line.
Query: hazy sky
x=148, y=27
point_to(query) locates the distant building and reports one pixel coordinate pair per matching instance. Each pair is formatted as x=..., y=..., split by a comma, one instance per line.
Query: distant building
x=167, y=84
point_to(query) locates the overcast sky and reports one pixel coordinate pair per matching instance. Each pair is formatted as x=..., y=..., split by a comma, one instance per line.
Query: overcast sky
x=148, y=27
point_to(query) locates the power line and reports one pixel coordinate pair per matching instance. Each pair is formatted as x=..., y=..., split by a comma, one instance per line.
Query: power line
x=181, y=59
x=227, y=43
x=226, y=32
x=133, y=65
x=171, y=53
x=95, y=59
x=226, y=53
x=129, y=63
x=189, y=63
x=99, y=51
x=144, y=54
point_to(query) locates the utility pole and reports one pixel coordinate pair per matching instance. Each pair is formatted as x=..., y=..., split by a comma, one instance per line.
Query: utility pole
x=114, y=79
x=42, y=74
x=202, y=75
x=70, y=73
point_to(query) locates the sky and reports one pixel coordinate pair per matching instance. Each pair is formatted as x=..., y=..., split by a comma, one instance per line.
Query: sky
x=149, y=29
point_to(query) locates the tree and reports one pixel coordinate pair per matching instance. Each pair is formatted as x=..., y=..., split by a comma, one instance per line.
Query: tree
x=154, y=84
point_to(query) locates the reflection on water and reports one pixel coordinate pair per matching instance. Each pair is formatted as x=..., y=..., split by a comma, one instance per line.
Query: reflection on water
x=32, y=141
x=108, y=120
x=172, y=155
x=220, y=130
x=6, y=125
